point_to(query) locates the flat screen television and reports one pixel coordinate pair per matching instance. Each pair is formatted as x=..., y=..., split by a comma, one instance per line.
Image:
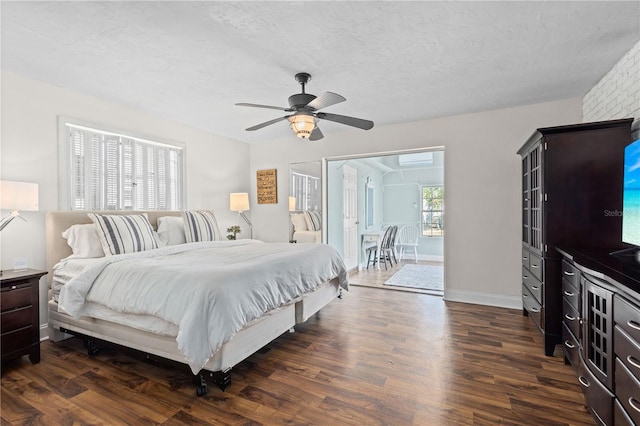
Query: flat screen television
x=631, y=195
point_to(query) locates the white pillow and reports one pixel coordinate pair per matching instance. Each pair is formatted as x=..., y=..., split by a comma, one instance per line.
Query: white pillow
x=313, y=219
x=84, y=240
x=171, y=230
x=299, y=222
x=201, y=225
x=124, y=233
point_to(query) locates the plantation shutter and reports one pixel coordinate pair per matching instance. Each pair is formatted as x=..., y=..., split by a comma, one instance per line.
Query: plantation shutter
x=117, y=172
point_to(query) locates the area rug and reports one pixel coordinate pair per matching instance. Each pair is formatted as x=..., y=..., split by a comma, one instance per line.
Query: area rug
x=426, y=277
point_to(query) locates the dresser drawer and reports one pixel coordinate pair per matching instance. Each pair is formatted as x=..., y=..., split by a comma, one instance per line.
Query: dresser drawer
x=570, y=317
x=17, y=340
x=620, y=416
x=533, y=284
x=525, y=258
x=571, y=274
x=628, y=391
x=18, y=318
x=532, y=306
x=627, y=350
x=597, y=396
x=536, y=264
x=570, y=345
x=627, y=316
x=571, y=293
x=16, y=296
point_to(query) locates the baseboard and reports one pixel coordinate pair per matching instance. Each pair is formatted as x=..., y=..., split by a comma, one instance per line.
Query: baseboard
x=488, y=299
x=44, y=332
x=427, y=257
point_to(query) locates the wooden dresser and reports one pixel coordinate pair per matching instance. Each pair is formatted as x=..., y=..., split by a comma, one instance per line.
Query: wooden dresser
x=601, y=331
x=571, y=176
x=19, y=317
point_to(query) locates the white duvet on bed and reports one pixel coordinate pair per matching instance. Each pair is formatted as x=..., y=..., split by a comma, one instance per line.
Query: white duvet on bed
x=211, y=290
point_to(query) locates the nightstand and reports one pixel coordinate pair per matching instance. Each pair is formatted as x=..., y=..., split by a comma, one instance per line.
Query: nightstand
x=20, y=317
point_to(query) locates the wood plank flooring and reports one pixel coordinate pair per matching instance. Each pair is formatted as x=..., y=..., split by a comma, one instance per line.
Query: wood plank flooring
x=375, y=357
x=373, y=277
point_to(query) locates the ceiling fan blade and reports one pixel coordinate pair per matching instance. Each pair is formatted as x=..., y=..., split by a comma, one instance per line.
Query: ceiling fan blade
x=316, y=135
x=267, y=123
x=263, y=106
x=325, y=100
x=349, y=121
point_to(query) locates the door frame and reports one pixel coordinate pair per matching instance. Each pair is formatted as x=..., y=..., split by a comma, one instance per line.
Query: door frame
x=325, y=182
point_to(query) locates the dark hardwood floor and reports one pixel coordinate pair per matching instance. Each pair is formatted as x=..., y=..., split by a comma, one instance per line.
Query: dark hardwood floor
x=373, y=358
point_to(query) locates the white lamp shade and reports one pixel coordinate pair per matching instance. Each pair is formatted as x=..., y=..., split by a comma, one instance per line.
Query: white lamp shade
x=292, y=203
x=18, y=196
x=239, y=201
x=302, y=125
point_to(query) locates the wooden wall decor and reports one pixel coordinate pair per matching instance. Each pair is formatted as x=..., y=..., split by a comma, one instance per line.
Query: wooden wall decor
x=267, y=186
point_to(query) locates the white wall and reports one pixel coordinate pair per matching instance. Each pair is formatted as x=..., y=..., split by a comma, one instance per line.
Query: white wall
x=617, y=94
x=215, y=165
x=430, y=248
x=482, y=179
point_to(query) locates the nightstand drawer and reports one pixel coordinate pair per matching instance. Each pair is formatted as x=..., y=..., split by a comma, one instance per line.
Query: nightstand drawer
x=16, y=296
x=17, y=340
x=17, y=318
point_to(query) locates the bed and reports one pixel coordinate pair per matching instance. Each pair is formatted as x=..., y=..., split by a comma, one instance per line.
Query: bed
x=89, y=303
x=307, y=226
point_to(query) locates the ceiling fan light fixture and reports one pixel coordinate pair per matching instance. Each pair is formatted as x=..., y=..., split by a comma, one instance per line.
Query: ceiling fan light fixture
x=302, y=125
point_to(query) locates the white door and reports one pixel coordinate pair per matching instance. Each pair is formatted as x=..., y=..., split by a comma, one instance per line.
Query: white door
x=350, y=214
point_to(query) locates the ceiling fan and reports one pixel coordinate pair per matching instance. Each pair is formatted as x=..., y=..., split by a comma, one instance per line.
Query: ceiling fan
x=305, y=108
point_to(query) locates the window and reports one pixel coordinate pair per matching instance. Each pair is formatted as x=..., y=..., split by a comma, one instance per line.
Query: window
x=306, y=189
x=432, y=211
x=112, y=171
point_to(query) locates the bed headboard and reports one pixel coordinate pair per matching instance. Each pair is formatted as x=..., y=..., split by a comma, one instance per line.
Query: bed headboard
x=57, y=222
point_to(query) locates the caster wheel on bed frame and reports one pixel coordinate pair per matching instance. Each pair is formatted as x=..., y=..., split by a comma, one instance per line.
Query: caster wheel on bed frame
x=92, y=347
x=201, y=390
x=201, y=385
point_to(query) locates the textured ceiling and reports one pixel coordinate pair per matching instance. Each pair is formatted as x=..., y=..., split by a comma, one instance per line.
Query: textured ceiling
x=393, y=61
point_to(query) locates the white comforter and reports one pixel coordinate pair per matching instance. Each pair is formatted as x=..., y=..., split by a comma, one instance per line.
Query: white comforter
x=210, y=290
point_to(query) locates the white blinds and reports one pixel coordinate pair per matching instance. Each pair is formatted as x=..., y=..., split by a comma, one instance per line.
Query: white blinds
x=306, y=190
x=118, y=172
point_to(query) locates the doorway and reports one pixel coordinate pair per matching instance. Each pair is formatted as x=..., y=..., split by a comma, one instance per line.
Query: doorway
x=403, y=189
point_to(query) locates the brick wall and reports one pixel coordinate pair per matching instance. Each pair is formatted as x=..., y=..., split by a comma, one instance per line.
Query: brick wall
x=617, y=94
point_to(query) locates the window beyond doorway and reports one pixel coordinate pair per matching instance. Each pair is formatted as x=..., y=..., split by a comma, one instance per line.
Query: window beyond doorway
x=432, y=211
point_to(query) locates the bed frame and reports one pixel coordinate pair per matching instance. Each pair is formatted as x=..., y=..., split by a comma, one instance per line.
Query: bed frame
x=244, y=343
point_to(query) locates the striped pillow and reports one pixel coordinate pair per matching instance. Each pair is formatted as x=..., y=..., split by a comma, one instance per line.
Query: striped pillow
x=121, y=234
x=201, y=225
x=314, y=220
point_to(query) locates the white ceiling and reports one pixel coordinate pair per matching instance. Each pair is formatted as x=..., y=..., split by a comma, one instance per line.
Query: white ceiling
x=393, y=61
